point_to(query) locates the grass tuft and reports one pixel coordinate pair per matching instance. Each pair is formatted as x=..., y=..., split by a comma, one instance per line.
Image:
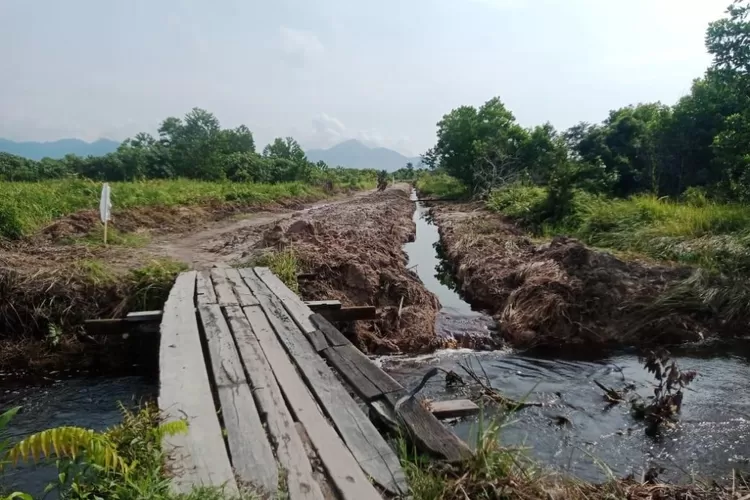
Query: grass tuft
x=283, y=263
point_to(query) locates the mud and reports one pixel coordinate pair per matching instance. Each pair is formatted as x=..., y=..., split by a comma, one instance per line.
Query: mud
x=354, y=250
x=557, y=292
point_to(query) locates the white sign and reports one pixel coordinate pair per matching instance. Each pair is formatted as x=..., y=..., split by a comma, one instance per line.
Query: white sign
x=105, y=205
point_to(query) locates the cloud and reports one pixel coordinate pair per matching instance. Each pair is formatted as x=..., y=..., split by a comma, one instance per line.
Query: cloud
x=299, y=46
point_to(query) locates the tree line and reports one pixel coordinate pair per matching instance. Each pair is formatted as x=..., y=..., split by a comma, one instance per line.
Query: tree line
x=195, y=147
x=701, y=143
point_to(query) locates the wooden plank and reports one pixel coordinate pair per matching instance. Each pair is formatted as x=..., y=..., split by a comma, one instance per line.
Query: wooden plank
x=205, y=289
x=288, y=444
x=455, y=408
x=332, y=334
x=224, y=294
x=353, y=313
x=356, y=361
x=292, y=303
x=357, y=381
x=198, y=457
x=143, y=316
x=243, y=293
x=296, y=308
x=317, y=305
x=426, y=431
x=337, y=459
x=252, y=457
x=367, y=446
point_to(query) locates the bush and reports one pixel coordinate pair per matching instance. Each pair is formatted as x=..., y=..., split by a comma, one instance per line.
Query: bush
x=524, y=203
x=441, y=186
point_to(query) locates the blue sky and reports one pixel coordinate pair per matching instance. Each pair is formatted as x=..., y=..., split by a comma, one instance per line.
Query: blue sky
x=328, y=70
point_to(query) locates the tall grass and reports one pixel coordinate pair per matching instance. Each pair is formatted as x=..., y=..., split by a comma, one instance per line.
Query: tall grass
x=715, y=236
x=441, y=186
x=26, y=206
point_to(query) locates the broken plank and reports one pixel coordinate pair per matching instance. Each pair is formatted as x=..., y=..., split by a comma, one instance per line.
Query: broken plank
x=317, y=305
x=357, y=381
x=426, y=431
x=197, y=457
x=224, y=294
x=353, y=313
x=244, y=295
x=279, y=422
x=367, y=380
x=454, y=408
x=205, y=289
x=367, y=446
x=347, y=477
x=297, y=309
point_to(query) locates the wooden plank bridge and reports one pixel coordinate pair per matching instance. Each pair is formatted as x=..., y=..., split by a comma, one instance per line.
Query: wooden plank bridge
x=264, y=384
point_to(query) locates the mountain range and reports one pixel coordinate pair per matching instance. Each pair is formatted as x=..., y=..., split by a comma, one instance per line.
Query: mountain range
x=354, y=154
x=351, y=153
x=58, y=149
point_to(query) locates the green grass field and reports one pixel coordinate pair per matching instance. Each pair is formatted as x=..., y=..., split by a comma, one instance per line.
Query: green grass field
x=26, y=206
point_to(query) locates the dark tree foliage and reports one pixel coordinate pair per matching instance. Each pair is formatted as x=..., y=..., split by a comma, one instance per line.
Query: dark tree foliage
x=703, y=141
x=194, y=147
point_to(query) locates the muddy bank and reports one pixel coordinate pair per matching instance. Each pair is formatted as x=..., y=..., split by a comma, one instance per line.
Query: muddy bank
x=54, y=280
x=354, y=249
x=558, y=292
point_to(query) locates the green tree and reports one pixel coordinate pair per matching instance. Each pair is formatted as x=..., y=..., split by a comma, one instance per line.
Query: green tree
x=287, y=149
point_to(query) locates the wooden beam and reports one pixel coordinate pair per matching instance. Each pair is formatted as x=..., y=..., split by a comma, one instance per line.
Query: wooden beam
x=288, y=444
x=321, y=305
x=199, y=456
x=367, y=446
x=353, y=313
x=252, y=458
x=454, y=408
x=426, y=431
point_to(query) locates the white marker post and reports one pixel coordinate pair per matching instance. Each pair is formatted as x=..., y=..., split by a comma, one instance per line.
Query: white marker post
x=105, y=208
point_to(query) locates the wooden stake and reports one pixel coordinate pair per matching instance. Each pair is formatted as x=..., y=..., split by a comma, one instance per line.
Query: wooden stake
x=105, y=232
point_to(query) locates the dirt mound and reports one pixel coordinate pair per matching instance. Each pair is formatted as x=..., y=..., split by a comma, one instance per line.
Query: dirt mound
x=557, y=292
x=355, y=252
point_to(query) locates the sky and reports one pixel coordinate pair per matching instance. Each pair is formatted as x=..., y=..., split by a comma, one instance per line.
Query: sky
x=324, y=71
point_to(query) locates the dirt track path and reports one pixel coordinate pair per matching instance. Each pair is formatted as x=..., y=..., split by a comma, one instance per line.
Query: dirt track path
x=200, y=249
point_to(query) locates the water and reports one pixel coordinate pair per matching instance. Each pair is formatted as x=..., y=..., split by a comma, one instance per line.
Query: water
x=710, y=441
x=83, y=402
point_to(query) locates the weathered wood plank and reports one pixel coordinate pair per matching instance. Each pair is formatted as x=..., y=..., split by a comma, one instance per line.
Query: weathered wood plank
x=243, y=293
x=252, y=457
x=296, y=308
x=143, y=316
x=357, y=381
x=198, y=457
x=224, y=294
x=279, y=422
x=352, y=313
x=332, y=334
x=369, y=448
x=205, y=289
x=454, y=408
x=426, y=431
x=317, y=305
x=337, y=459
x=357, y=368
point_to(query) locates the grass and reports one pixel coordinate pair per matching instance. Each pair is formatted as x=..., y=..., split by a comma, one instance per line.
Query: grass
x=27, y=206
x=714, y=236
x=441, y=186
x=283, y=263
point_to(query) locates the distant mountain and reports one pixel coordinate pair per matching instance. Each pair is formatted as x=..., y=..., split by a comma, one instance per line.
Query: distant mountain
x=58, y=149
x=354, y=154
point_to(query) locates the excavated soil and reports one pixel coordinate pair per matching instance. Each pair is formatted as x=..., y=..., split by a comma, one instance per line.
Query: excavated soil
x=354, y=250
x=558, y=292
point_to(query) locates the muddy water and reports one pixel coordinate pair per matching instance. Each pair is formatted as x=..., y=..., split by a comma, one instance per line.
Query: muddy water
x=714, y=432
x=84, y=402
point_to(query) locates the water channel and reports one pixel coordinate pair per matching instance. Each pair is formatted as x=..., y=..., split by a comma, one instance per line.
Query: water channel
x=711, y=439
